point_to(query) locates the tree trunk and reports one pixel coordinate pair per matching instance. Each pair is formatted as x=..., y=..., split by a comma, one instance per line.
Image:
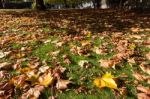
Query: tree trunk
x=1, y=4
x=40, y=4
x=66, y=5
x=97, y=3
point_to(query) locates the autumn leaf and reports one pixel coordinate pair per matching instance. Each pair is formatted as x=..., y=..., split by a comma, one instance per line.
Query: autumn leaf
x=107, y=63
x=145, y=68
x=107, y=80
x=143, y=89
x=33, y=93
x=148, y=56
x=142, y=96
x=3, y=54
x=132, y=46
x=62, y=84
x=19, y=81
x=5, y=65
x=46, y=79
x=85, y=42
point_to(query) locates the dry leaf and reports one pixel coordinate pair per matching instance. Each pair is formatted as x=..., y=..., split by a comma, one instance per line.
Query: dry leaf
x=148, y=56
x=145, y=68
x=135, y=36
x=85, y=42
x=33, y=93
x=142, y=96
x=6, y=90
x=43, y=69
x=46, y=79
x=107, y=63
x=143, y=89
x=107, y=80
x=5, y=65
x=3, y=54
x=62, y=84
x=19, y=81
x=131, y=60
x=4, y=75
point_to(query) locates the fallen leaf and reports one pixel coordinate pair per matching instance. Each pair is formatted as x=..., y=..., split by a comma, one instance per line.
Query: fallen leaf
x=43, y=69
x=142, y=96
x=4, y=75
x=19, y=81
x=107, y=63
x=46, y=79
x=85, y=42
x=33, y=93
x=131, y=60
x=143, y=89
x=62, y=84
x=148, y=56
x=6, y=90
x=3, y=54
x=107, y=80
x=5, y=65
x=145, y=68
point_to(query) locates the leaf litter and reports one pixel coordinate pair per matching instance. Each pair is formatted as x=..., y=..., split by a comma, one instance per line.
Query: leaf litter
x=67, y=55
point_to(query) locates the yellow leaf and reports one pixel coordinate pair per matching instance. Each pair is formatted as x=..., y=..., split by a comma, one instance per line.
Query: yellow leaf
x=106, y=81
x=46, y=79
x=85, y=42
x=25, y=70
x=132, y=46
x=89, y=34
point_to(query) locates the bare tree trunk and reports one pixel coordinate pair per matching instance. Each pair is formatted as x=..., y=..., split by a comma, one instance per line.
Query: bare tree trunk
x=97, y=3
x=40, y=4
x=66, y=5
x=1, y=4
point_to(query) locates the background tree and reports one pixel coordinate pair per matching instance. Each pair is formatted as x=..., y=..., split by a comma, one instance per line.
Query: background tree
x=1, y=4
x=40, y=4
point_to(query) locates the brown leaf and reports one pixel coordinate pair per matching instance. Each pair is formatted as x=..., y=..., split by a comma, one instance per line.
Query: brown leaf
x=148, y=56
x=145, y=90
x=107, y=63
x=62, y=84
x=6, y=90
x=142, y=96
x=145, y=68
x=139, y=76
x=33, y=93
x=5, y=65
x=19, y=81
x=4, y=75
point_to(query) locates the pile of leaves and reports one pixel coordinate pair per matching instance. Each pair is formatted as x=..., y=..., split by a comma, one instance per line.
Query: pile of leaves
x=60, y=54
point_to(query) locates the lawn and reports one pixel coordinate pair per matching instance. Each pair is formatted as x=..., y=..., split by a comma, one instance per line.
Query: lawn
x=74, y=54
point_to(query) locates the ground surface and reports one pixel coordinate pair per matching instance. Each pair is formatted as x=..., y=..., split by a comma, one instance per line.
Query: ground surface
x=65, y=54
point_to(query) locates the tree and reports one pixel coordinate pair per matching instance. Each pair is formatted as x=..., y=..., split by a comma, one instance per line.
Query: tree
x=40, y=4
x=1, y=4
x=96, y=3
